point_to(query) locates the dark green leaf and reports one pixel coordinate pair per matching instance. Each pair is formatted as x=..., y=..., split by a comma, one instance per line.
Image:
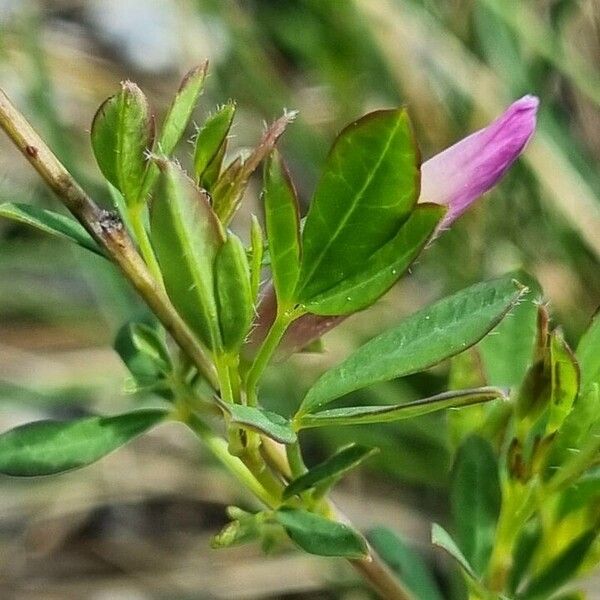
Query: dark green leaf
x=565, y=381
x=507, y=354
x=50, y=222
x=406, y=563
x=440, y=537
x=271, y=424
x=122, y=133
x=211, y=143
x=561, y=569
x=431, y=335
x=186, y=236
x=588, y=354
x=368, y=188
x=48, y=447
x=362, y=415
x=475, y=499
x=382, y=269
x=331, y=469
x=321, y=536
x=233, y=291
x=283, y=228
x=528, y=540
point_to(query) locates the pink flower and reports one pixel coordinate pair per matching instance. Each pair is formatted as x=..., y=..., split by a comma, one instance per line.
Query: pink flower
x=456, y=178
x=460, y=174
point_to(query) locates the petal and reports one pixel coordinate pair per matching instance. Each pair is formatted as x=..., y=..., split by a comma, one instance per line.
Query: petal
x=460, y=174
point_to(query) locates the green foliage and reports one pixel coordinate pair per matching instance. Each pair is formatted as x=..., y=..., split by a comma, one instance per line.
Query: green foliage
x=422, y=340
x=318, y=535
x=50, y=222
x=369, y=186
x=263, y=421
x=440, y=537
x=588, y=355
x=49, y=447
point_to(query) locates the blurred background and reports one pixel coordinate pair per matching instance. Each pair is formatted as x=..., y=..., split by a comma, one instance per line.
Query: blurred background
x=138, y=524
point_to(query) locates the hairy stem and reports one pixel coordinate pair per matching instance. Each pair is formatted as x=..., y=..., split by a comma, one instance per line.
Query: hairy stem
x=105, y=228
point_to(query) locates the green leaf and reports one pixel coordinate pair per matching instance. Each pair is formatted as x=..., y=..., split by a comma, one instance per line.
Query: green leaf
x=331, y=469
x=475, y=499
x=321, y=536
x=406, y=563
x=233, y=292
x=424, y=339
x=362, y=415
x=263, y=421
x=142, y=348
x=560, y=569
x=210, y=146
x=257, y=244
x=507, y=354
x=565, y=381
x=122, y=133
x=441, y=538
x=588, y=355
x=283, y=227
x=50, y=222
x=382, y=269
x=527, y=542
x=181, y=109
x=186, y=237
x=48, y=447
x=368, y=188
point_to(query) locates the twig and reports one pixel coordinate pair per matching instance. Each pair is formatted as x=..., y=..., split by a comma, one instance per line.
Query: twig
x=105, y=227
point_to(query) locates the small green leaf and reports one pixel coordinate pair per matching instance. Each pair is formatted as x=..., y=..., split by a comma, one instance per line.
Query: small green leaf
x=424, y=339
x=233, y=292
x=122, y=133
x=181, y=109
x=263, y=421
x=186, y=236
x=565, y=381
x=561, y=569
x=329, y=470
x=475, y=499
x=507, y=354
x=441, y=538
x=50, y=222
x=49, y=447
x=382, y=269
x=588, y=355
x=283, y=227
x=257, y=244
x=362, y=415
x=368, y=188
x=527, y=542
x=406, y=563
x=317, y=535
x=210, y=145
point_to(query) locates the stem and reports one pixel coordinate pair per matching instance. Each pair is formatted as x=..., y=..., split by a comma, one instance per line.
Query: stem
x=105, y=228
x=136, y=218
x=269, y=345
x=295, y=460
x=382, y=580
x=218, y=446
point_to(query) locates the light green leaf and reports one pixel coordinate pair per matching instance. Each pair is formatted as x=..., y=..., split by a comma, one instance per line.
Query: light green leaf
x=321, y=536
x=50, y=222
x=424, y=339
x=362, y=415
x=368, y=188
x=263, y=421
x=383, y=268
x=186, y=237
x=283, y=227
x=406, y=563
x=48, y=447
x=122, y=133
x=565, y=381
x=211, y=143
x=475, y=499
x=257, y=244
x=588, y=354
x=233, y=292
x=440, y=537
x=329, y=470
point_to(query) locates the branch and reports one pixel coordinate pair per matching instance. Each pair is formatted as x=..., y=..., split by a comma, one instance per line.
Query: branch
x=105, y=227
